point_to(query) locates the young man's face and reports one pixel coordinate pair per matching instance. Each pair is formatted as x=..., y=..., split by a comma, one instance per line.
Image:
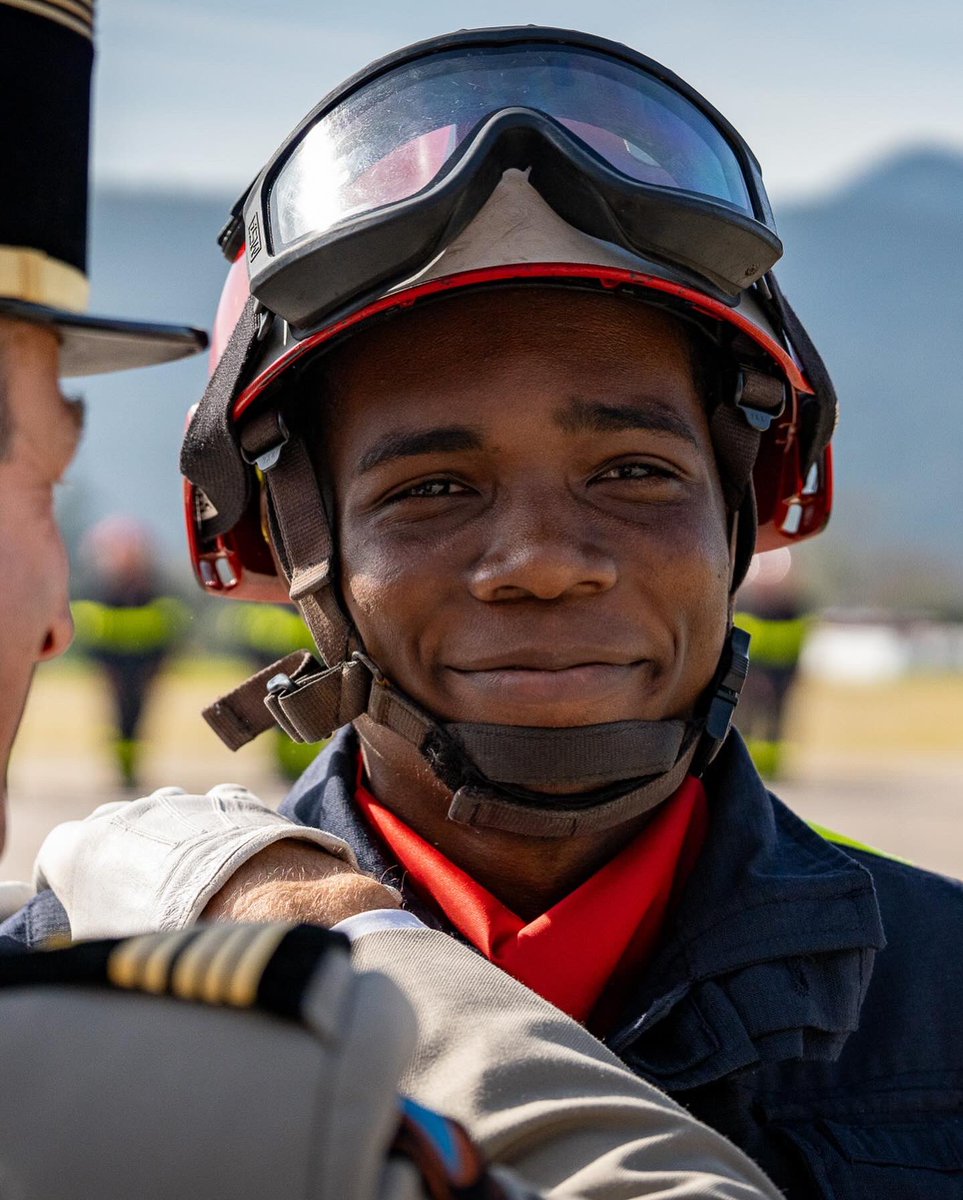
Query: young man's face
x=530, y=521
x=38, y=437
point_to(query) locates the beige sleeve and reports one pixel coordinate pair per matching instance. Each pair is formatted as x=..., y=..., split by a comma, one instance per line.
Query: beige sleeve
x=539, y=1093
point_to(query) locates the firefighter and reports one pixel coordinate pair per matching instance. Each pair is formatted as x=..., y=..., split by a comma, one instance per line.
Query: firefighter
x=507, y=396
x=127, y=626
x=242, y=1061
x=772, y=610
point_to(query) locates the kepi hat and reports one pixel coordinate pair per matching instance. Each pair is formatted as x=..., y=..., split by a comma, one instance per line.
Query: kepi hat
x=46, y=59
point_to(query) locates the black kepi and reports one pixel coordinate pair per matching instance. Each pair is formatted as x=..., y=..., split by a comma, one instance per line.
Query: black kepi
x=46, y=58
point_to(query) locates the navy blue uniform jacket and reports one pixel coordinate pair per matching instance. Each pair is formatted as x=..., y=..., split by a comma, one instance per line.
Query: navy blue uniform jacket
x=805, y=1001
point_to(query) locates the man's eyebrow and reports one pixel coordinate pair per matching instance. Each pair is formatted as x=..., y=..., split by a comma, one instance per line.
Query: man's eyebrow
x=406, y=443
x=594, y=416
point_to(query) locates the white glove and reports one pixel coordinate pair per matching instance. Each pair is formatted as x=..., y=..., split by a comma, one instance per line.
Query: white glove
x=141, y=865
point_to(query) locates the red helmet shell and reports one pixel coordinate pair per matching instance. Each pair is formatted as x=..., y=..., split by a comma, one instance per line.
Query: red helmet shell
x=791, y=508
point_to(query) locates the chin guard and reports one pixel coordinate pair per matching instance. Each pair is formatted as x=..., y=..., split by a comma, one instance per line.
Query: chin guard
x=513, y=778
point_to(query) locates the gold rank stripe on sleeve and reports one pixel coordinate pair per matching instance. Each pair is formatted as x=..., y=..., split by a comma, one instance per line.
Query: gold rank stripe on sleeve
x=76, y=15
x=217, y=964
x=143, y=963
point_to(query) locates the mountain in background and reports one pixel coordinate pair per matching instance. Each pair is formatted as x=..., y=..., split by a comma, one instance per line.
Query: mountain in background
x=875, y=270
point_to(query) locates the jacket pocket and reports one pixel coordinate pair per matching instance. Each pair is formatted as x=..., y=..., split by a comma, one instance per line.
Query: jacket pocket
x=919, y=1159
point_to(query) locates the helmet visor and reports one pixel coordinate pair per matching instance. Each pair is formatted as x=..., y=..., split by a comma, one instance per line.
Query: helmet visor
x=397, y=134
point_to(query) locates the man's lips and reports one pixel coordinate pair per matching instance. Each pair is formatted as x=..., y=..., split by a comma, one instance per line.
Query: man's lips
x=565, y=681
x=561, y=658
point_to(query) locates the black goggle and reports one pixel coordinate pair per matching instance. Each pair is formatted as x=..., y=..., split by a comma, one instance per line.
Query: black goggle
x=390, y=168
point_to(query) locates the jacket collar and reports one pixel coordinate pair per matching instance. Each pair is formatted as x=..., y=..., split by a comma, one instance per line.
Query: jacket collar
x=766, y=959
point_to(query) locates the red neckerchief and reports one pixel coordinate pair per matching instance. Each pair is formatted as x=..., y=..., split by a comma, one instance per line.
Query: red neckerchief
x=600, y=934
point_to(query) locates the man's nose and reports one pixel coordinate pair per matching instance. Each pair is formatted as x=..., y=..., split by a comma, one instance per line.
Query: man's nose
x=59, y=635
x=544, y=549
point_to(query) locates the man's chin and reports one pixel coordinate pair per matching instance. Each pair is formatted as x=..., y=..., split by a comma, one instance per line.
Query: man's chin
x=559, y=699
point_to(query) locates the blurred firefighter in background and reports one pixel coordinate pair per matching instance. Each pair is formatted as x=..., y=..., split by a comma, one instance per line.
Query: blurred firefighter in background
x=772, y=607
x=127, y=626
x=261, y=634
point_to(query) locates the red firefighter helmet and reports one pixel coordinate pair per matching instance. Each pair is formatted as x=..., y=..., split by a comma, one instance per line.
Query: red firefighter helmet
x=506, y=158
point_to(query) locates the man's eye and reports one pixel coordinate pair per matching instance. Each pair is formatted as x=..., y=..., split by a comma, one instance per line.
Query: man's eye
x=635, y=470
x=429, y=489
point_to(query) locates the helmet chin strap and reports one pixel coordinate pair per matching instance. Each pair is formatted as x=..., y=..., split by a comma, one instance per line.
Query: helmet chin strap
x=532, y=781
x=501, y=776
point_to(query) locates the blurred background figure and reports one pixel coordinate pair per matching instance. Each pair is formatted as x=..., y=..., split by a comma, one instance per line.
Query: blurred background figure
x=772, y=607
x=261, y=634
x=126, y=625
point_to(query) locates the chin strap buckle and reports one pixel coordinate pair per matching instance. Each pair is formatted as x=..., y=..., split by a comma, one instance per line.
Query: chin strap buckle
x=725, y=697
x=263, y=440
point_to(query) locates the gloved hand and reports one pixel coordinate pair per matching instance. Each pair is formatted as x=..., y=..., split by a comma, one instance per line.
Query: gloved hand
x=154, y=863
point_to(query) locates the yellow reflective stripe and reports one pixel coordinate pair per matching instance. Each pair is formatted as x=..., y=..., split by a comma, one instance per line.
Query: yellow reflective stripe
x=31, y=275
x=127, y=630
x=840, y=839
x=776, y=643
x=264, y=628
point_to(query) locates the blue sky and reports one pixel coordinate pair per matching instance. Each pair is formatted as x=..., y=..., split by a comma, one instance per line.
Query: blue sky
x=197, y=93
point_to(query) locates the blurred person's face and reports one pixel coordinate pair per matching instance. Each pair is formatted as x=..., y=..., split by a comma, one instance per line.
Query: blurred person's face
x=39, y=431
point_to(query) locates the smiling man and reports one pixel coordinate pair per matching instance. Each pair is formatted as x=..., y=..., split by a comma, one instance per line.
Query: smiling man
x=113, y=1084
x=507, y=395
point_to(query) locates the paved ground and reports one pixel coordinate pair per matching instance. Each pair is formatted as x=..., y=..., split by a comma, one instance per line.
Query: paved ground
x=914, y=812
x=893, y=786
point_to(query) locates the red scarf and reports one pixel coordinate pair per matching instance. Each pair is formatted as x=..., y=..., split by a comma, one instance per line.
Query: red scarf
x=595, y=938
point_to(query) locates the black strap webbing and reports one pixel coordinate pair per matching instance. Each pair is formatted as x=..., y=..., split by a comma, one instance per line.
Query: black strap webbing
x=303, y=538
x=735, y=438
x=533, y=758
x=210, y=457
x=818, y=430
x=482, y=808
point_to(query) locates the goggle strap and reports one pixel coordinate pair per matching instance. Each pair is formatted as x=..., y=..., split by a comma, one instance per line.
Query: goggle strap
x=304, y=538
x=209, y=456
x=818, y=433
x=736, y=428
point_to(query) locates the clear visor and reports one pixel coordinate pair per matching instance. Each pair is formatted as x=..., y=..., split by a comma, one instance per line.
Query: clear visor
x=392, y=138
